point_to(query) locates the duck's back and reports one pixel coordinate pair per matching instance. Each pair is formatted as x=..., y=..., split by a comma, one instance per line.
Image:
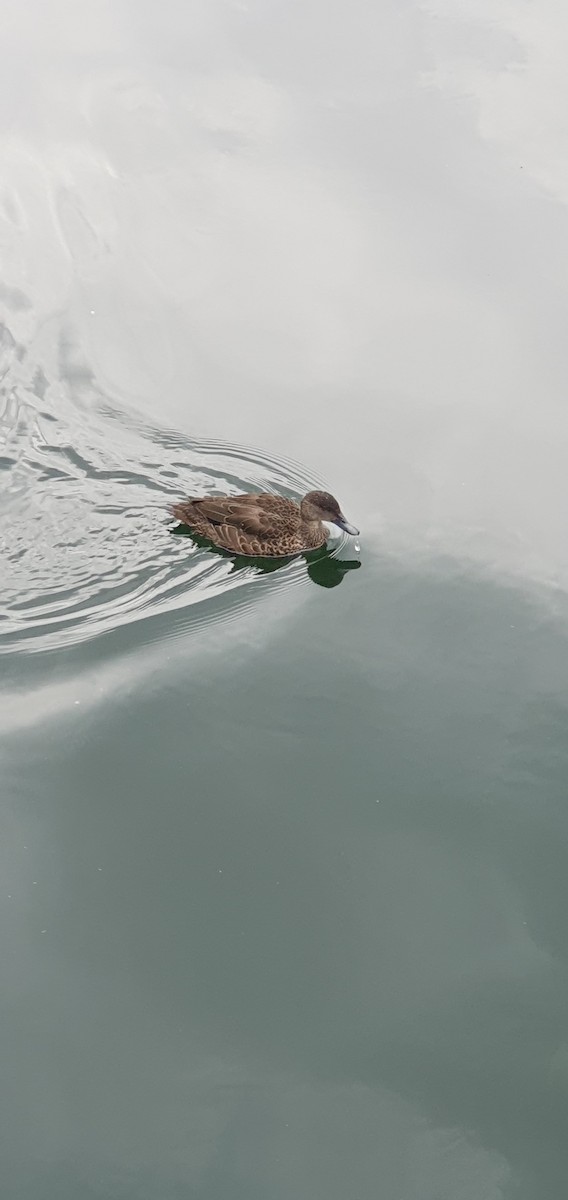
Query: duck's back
x=253, y=524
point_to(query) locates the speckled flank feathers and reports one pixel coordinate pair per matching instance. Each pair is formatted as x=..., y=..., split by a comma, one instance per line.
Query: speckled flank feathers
x=261, y=525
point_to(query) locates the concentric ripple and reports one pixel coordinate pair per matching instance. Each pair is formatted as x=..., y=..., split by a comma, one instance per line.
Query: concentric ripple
x=86, y=540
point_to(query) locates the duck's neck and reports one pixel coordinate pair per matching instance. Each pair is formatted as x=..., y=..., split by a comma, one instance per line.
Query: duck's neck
x=310, y=514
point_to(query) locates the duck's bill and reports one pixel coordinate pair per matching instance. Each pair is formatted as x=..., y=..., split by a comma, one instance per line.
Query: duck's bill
x=343, y=524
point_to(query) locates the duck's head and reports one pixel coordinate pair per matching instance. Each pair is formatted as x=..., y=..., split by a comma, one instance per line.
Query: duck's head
x=321, y=506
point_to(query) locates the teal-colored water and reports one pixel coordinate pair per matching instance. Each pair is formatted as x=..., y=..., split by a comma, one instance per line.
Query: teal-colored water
x=283, y=853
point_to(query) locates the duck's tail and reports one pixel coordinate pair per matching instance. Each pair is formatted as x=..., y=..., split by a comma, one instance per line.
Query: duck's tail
x=180, y=511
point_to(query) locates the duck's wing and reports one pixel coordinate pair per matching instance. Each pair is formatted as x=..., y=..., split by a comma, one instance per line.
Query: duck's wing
x=260, y=516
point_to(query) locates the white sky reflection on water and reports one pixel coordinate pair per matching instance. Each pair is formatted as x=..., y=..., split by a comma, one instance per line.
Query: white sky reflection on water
x=347, y=263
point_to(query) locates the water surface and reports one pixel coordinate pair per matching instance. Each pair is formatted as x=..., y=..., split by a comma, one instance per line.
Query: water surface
x=283, y=877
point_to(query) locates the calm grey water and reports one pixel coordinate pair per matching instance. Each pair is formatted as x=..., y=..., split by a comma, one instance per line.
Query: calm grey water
x=283, y=886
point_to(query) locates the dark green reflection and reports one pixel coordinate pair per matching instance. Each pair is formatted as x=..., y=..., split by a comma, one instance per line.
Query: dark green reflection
x=322, y=567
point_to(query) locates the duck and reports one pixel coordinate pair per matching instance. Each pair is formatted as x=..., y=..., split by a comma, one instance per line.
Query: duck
x=261, y=525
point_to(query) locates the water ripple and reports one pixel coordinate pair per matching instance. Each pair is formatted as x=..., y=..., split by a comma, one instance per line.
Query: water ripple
x=86, y=538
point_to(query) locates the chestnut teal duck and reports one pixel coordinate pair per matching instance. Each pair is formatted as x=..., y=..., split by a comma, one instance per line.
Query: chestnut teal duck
x=259, y=525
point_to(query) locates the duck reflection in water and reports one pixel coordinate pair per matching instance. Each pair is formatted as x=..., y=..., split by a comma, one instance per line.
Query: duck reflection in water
x=322, y=566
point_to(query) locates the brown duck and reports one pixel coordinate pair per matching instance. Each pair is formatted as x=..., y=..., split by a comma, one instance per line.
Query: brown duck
x=260, y=525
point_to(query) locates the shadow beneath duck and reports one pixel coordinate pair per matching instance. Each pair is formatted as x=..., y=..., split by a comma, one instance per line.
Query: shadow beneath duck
x=322, y=566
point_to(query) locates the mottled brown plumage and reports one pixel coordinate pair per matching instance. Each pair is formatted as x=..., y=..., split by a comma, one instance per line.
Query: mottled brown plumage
x=259, y=525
